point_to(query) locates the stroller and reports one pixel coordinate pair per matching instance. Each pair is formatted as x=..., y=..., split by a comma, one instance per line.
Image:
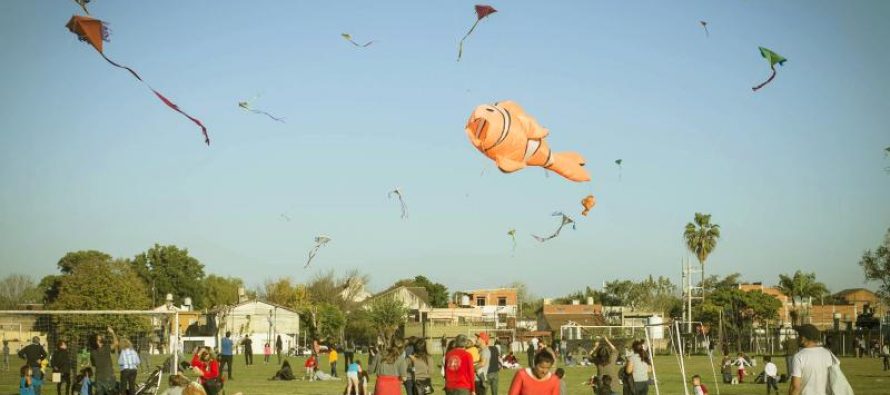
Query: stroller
x=152, y=384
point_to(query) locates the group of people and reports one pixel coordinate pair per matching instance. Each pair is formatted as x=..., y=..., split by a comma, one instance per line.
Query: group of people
x=95, y=363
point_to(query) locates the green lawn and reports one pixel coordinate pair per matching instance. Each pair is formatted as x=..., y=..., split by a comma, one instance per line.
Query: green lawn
x=864, y=374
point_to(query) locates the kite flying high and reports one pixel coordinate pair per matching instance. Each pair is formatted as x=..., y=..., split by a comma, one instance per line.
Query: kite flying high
x=482, y=11
x=514, y=140
x=772, y=58
x=94, y=32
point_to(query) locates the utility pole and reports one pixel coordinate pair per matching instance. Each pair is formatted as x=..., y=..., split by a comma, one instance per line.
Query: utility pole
x=689, y=292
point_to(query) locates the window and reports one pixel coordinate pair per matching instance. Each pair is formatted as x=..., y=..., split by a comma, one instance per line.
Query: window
x=480, y=301
x=502, y=300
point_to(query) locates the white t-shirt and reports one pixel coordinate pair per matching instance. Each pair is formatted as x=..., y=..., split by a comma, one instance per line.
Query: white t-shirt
x=811, y=365
x=771, y=370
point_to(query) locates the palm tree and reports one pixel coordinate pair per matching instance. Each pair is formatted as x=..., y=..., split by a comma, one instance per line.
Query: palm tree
x=701, y=239
x=799, y=286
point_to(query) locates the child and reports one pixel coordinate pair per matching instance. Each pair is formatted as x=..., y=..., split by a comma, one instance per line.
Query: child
x=697, y=387
x=353, y=370
x=726, y=369
x=741, y=362
x=771, y=373
x=267, y=351
x=605, y=387
x=26, y=385
x=310, y=365
x=560, y=372
x=84, y=382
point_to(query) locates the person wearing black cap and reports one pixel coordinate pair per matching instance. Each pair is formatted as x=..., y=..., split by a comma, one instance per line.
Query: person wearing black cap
x=809, y=367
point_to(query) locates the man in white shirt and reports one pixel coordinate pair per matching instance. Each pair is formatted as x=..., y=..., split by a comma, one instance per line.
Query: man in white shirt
x=809, y=367
x=771, y=373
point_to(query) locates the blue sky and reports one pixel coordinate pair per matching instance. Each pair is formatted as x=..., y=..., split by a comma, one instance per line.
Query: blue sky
x=89, y=159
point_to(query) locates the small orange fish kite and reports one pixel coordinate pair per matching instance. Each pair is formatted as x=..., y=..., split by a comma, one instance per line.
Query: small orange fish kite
x=94, y=32
x=588, y=203
x=514, y=140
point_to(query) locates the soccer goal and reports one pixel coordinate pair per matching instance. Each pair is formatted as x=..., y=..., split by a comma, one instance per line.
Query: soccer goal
x=155, y=335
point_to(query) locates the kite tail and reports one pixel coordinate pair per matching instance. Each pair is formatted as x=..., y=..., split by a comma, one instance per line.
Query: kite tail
x=163, y=99
x=268, y=115
x=707, y=34
x=773, y=75
x=460, y=47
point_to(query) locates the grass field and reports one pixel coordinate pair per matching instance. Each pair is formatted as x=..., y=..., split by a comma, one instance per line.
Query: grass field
x=864, y=374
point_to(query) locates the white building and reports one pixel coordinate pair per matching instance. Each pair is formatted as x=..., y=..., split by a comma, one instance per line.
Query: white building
x=264, y=322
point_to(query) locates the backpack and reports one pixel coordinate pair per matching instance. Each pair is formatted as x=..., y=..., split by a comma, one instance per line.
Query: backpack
x=837, y=382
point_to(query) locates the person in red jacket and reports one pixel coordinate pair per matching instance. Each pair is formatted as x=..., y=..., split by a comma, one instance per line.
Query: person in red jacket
x=205, y=364
x=460, y=376
x=537, y=380
x=310, y=365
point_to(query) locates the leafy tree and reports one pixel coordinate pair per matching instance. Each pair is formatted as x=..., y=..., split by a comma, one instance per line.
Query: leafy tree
x=438, y=293
x=330, y=321
x=799, y=287
x=169, y=269
x=325, y=288
x=16, y=289
x=386, y=315
x=284, y=292
x=220, y=291
x=701, y=239
x=359, y=328
x=98, y=285
x=876, y=265
x=72, y=259
x=739, y=311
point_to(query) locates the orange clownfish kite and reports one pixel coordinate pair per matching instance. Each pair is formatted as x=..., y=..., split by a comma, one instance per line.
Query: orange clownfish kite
x=514, y=140
x=93, y=31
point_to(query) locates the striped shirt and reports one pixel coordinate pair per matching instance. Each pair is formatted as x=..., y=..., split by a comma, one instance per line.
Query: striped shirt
x=128, y=359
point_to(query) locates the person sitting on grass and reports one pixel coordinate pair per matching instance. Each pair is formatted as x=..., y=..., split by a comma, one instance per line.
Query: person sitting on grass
x=176, y=384
x=285, y=373
x=697, y=387
x=322, y=376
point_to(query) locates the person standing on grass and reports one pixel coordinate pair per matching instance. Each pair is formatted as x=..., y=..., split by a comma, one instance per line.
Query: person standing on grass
x=605, y=357
x=459, y=373
x=128, y=361
x=6, y=355
x=392, y=371
x=494, y=368
x=809, y=368
x=226, y=353
x=310, y=365
x=248, y=350
x=885, y=355
x=279, y=346
x=638, y=367
x=267, y=352
x=348, y=354
x=100, y=357
x=740, y=363
x=536, y=380
x=420, y=361
x=771, y=375
x=483, y=362
x=33, y=354
x=333, y=357
x=61, y=363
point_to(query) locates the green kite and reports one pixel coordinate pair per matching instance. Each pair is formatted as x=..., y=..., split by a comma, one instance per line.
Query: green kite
x=773, y=58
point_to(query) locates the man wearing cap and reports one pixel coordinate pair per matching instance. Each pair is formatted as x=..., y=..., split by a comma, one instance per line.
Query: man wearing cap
x=809, y=367
x=459, y=372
